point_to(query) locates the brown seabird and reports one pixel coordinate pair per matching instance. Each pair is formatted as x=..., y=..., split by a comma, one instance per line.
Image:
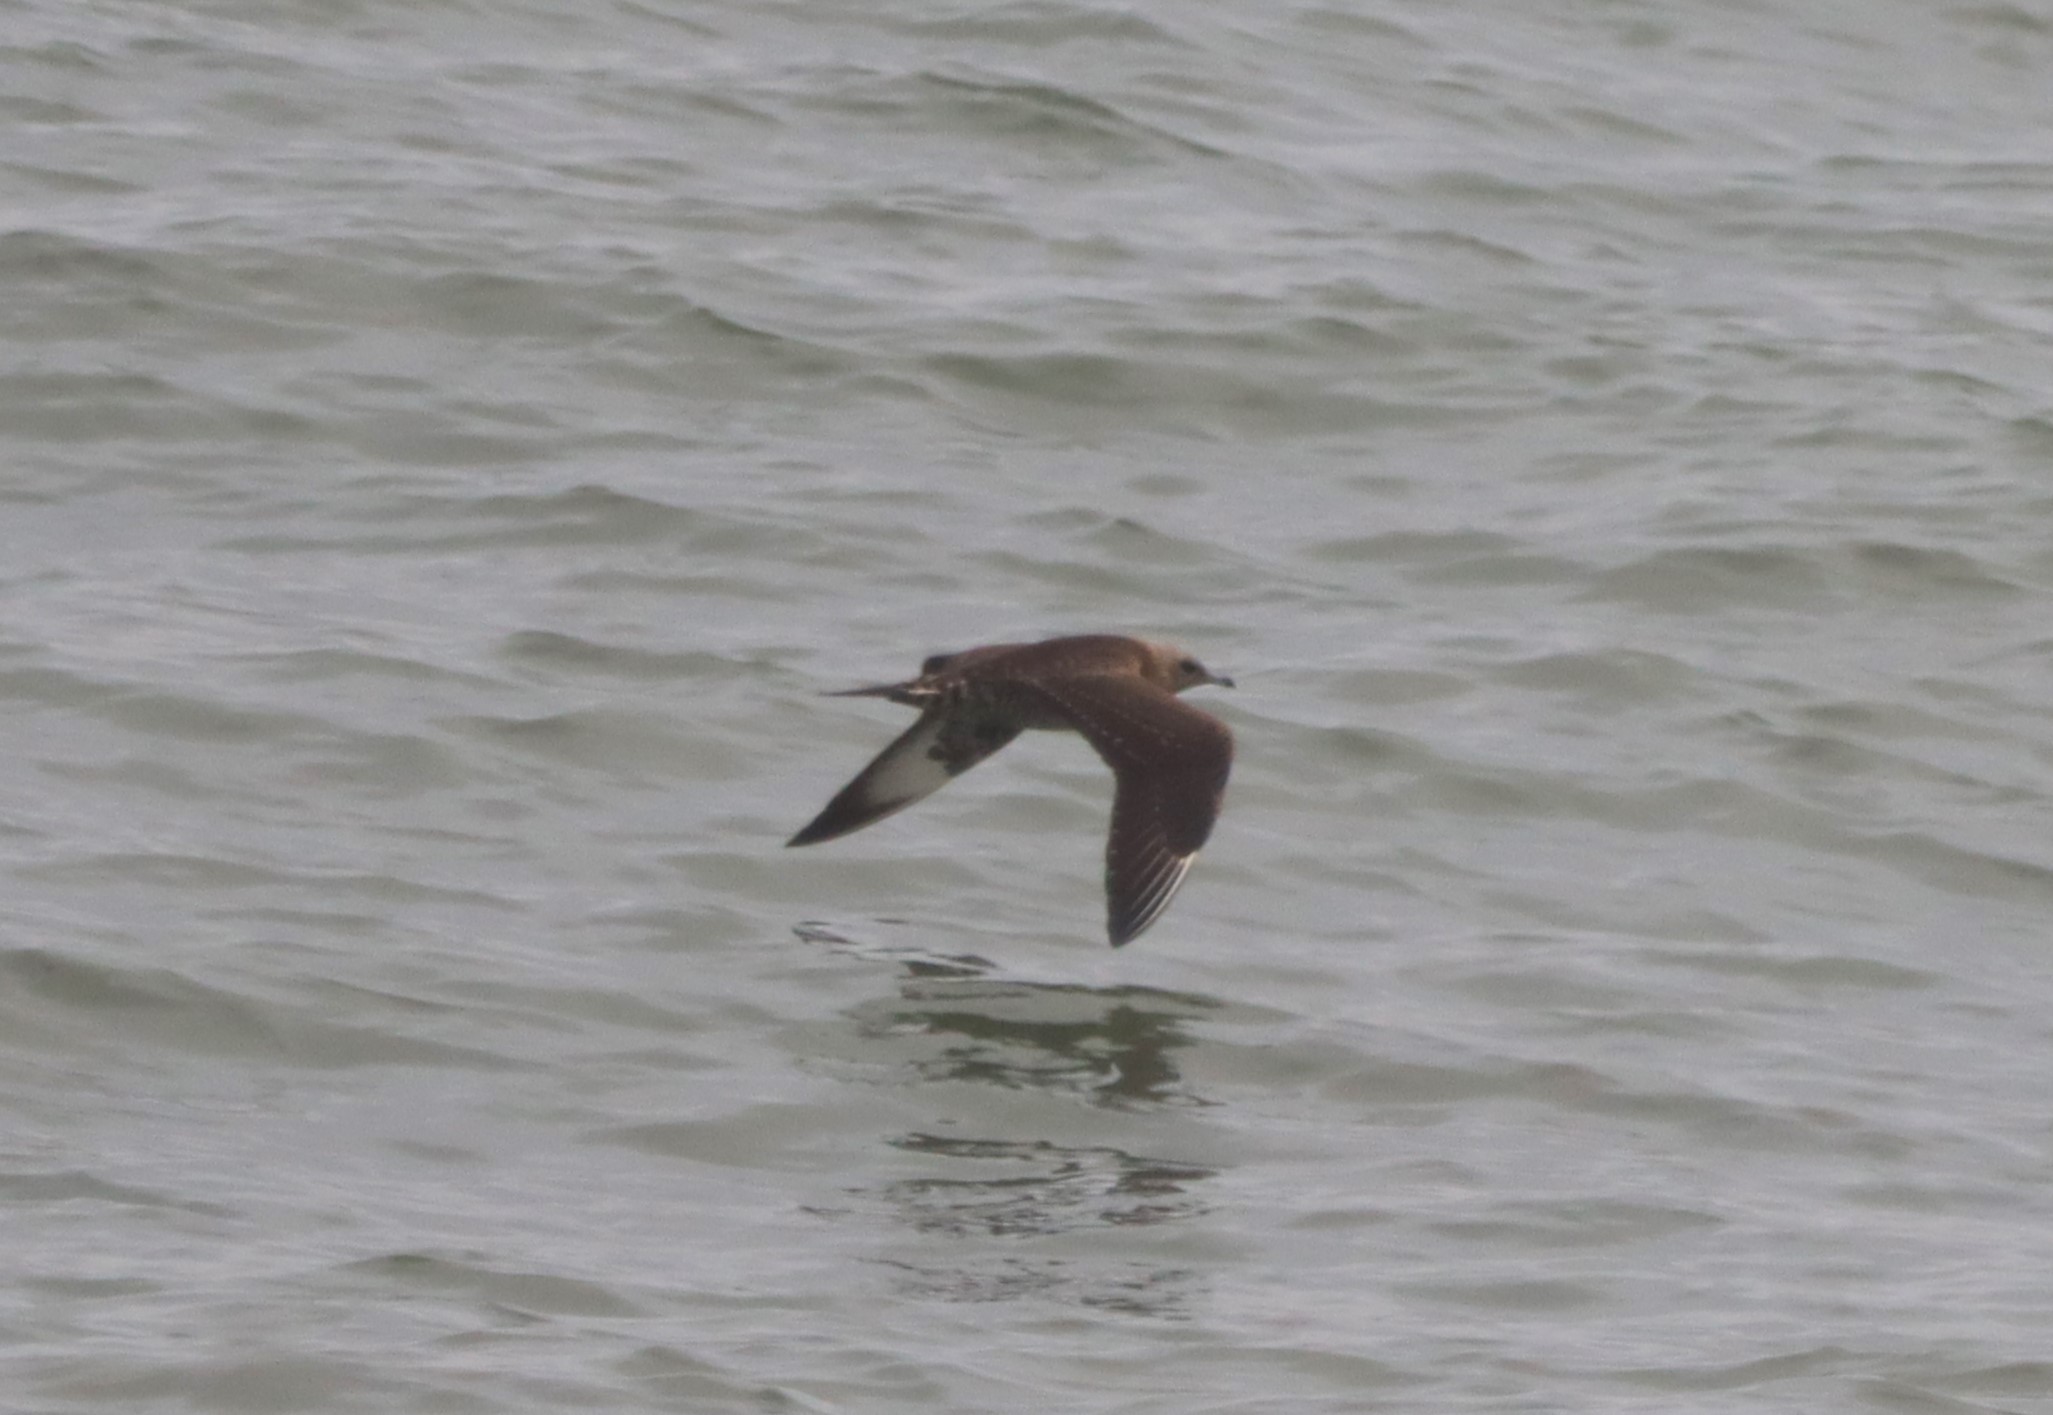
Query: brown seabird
x=1169, y=761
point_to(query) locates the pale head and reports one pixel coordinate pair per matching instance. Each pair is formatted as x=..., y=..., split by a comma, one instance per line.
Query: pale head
x=1176, y=670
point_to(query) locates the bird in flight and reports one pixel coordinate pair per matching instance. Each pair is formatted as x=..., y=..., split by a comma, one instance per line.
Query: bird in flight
x=1169, y=761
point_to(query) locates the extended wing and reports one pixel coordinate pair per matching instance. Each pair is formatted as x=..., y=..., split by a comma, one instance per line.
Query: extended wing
x=941, y=746
x=1169, y=763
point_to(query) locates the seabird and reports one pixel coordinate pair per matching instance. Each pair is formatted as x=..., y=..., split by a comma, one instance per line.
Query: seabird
x=1169, y=761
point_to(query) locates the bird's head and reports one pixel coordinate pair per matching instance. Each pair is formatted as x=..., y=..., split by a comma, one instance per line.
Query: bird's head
x=1178, y=670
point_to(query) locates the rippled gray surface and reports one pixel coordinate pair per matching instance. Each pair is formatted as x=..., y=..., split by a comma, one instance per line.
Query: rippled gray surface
x=445, y=449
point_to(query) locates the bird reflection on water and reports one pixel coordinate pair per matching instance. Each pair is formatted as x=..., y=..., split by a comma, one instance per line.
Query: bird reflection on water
x=992, y=1217
x=1115, y=1045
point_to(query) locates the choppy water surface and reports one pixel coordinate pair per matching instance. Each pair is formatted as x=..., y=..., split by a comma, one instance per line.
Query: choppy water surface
x=446, y=449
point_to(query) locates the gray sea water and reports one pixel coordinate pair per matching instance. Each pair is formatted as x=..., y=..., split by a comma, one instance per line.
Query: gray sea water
x=447, y=448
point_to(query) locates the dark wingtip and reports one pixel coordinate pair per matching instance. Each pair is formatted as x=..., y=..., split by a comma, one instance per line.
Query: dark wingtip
x=812, y=834
x=840, y=818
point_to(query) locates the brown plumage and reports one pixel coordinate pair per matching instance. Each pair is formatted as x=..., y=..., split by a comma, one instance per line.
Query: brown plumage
x=1169, y=761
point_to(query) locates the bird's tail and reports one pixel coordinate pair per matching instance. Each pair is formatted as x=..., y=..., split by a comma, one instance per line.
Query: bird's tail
x=909, y=693
x=875, y=690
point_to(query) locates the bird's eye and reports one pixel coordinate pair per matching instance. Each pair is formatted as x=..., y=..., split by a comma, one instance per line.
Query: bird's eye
x=1191, y=665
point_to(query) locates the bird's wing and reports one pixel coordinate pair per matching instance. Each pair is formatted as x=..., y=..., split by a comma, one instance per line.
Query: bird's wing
x=942, y=745
x=1169, y=763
